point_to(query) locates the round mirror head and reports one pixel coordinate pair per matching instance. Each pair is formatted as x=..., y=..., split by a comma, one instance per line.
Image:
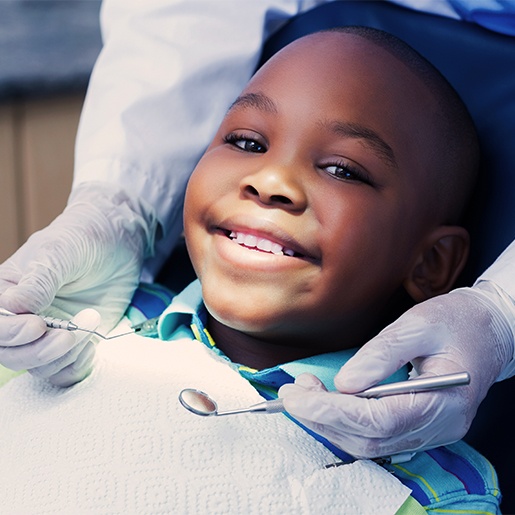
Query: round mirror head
x=198, y=402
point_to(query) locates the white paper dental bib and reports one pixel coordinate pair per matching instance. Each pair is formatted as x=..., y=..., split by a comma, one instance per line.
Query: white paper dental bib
x=120, y=443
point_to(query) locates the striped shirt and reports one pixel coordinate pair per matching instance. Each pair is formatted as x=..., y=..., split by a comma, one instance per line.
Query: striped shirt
x=449, y=479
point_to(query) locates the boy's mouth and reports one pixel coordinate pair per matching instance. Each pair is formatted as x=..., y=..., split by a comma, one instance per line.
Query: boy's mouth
x=260, y=244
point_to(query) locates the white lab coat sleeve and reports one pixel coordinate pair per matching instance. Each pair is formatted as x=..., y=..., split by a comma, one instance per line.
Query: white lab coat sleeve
x=167, y=73
x=501, y=276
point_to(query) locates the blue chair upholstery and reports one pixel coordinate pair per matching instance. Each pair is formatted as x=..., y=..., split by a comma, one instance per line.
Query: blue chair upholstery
x=480, y=64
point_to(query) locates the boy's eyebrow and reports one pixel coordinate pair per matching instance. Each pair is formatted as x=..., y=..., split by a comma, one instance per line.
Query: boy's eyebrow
x=355, y=130
x=346, y=129
x=256, y=100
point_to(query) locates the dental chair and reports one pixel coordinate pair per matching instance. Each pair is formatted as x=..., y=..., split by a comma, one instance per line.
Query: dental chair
x=480, y=64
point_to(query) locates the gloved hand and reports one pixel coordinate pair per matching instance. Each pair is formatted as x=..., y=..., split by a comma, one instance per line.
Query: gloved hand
x=89, y=256
x=69, y=355
x=465, y=330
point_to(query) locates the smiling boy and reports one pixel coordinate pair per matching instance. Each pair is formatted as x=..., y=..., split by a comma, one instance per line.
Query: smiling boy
x=332, y=189
x=330, y=196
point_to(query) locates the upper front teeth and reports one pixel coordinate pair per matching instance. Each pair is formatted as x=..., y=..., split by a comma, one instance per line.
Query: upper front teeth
x=252, y=241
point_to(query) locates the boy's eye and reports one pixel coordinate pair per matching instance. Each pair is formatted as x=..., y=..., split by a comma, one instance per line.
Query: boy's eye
x=246, y=143
x=346, y=172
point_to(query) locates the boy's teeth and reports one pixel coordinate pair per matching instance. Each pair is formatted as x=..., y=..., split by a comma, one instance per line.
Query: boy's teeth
x=264, y=244
x=251, y=241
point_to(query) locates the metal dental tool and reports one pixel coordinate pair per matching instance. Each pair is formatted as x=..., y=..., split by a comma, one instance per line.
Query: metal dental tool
x=422, y=384
x=146, y=328
x=200, y=403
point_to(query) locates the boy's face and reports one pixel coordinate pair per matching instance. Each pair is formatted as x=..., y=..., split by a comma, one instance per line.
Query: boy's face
x=305, y=213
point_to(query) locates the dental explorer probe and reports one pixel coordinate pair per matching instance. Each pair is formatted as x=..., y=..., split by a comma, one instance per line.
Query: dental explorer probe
x=67, y=325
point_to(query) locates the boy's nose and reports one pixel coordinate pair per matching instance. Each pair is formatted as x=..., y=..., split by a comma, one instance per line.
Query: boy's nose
x=275, y=186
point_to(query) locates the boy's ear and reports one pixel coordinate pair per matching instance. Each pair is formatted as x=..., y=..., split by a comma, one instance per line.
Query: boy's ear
x=442, y=257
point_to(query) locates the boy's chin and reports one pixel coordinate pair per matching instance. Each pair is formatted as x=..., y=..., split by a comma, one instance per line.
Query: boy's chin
x=244, y=309
x=250, y=324
x=266, y=328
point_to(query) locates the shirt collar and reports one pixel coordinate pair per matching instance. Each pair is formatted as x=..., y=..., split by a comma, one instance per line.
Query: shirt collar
x=187, y=314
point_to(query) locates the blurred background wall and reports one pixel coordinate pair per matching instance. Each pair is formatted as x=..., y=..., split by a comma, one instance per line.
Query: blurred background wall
x=47, y=51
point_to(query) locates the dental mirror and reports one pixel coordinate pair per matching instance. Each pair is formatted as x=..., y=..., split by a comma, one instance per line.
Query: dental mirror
x=200, y=403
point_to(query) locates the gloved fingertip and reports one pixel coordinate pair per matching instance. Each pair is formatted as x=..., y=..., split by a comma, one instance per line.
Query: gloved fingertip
x=289, y=389
x=349, y=382
x=291, y=399
x=310, y=382
x=88, y=318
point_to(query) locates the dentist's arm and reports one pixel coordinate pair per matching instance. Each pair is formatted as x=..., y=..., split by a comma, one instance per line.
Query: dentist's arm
x=468, y=329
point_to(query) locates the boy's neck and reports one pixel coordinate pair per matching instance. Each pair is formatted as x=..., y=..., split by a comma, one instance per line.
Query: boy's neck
x=253, y=352
x=260, y=353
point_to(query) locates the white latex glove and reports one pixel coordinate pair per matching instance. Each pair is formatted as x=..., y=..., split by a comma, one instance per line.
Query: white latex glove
x=68, y=355
x=465, y=330
x=90, y=256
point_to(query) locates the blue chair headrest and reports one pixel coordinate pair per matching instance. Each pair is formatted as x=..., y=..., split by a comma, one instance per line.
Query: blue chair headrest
x=480, y=64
